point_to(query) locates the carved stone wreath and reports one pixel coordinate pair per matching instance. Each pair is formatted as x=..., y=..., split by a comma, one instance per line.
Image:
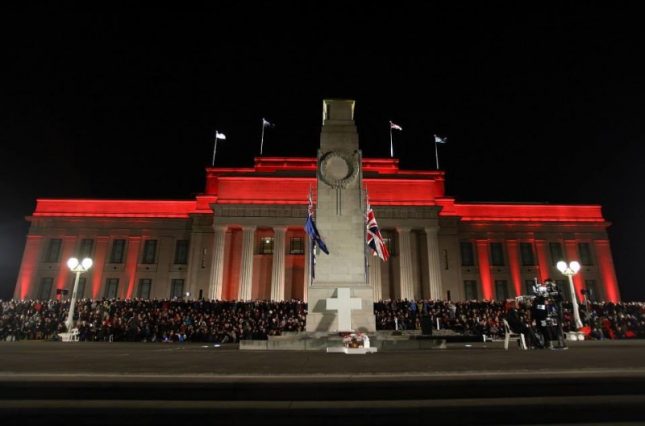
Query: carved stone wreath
x=337, y=170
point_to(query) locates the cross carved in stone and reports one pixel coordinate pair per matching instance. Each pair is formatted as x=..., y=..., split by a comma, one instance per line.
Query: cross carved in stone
x=344, y=304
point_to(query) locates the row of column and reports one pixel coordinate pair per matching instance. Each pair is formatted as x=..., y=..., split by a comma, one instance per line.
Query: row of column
x=406, y=278
x=603, y=258
x=278, y=267
x=483, y=257
x=246, y=267
x=28, y=286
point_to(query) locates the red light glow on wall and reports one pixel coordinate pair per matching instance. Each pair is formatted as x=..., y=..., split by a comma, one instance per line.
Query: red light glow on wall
x=29, y=266
x=606, y=264
x=233, y=260
x=386, y=166
x=113, y=208
x=132, y=263
x=403, y=192
x=268, y=182
x=484, y=269
x=287, y=181
x=100, y=257
x=263, y=190
x=514, y=264
x=528, y=212
x=543, y=261
x=63, y=279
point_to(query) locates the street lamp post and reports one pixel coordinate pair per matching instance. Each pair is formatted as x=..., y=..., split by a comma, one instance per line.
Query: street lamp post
x=570, y=270
x=78, y=268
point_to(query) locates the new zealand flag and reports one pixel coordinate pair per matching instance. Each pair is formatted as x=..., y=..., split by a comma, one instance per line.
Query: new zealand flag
x=312, y=231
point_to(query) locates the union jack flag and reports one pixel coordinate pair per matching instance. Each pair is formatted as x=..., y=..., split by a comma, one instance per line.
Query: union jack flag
x=374, y=238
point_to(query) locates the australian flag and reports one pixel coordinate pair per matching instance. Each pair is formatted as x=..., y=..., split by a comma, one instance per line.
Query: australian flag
x=374, y=238
x=310, y=228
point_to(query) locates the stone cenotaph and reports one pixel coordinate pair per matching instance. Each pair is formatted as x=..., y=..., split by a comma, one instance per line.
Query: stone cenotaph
x=339, y=297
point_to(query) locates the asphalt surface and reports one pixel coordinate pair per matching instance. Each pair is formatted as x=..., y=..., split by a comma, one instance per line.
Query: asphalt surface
x=139, y=383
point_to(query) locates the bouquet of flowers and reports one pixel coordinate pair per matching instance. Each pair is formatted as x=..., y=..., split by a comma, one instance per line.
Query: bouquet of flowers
x=353, y=340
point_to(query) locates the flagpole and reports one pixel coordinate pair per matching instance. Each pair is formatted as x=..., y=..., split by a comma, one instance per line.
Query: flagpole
x=436, y=152
x=214, y=150
x=366, y=249
x=262, y=138
x=391, y=144
x=311, y=245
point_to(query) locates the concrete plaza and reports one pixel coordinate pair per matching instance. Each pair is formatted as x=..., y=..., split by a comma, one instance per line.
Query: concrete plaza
x=466, y=383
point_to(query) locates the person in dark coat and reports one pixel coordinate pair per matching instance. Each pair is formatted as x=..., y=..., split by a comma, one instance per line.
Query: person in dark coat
x=540, y=314
x=518, y=324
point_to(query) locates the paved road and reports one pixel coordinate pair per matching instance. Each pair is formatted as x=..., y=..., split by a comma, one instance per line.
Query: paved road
x=101, y=383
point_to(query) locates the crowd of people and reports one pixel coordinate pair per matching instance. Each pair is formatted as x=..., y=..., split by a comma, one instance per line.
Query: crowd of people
x=152, y=320
x=231, y=321
x=601, y=320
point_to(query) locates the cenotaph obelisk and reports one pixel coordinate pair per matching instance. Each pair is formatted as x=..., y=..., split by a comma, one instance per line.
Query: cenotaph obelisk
x=340, y=298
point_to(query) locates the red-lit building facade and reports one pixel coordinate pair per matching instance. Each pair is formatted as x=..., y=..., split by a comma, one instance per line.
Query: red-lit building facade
x=243, y=238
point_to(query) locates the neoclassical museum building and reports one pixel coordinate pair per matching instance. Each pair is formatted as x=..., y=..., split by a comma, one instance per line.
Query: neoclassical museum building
x=243, y=238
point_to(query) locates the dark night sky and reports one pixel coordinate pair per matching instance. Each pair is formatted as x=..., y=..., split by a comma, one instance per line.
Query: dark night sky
x=120, y=101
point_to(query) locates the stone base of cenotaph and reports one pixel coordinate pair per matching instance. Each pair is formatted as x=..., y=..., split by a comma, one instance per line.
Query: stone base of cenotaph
x=356, y=302
x=383, y=341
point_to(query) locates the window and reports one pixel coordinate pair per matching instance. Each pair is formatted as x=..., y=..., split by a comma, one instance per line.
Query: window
x=111, y=288
x=297, y=245
x=143, y=292
x=45, y=289
x=470, y=289
x=118, y=251
x=149, y=251
x=181, y=252
x=467, y=253
x=528, y=286
x=556, y=253
x=591, y=291
x=563, y=285
x=585, y=254
x=526, y=254
x=80, y=291
x=266, y=245
x=501, y=289
x=85, y=250
x=496, y=254
x=53, y=250
x=176, y=289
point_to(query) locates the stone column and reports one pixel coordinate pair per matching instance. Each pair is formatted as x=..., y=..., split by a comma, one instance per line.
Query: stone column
x=374, y=265
x=68, y=250
x=544, y=265
x=607, y=271
x=246, y=269
x=277, y=271
x=405, y=264
x=434, y=263
x=194, y=264
x=483, y=258
x=96, y=272
x=132, y=262
x=514, y=265
x=217, y=263
x=26, y=286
